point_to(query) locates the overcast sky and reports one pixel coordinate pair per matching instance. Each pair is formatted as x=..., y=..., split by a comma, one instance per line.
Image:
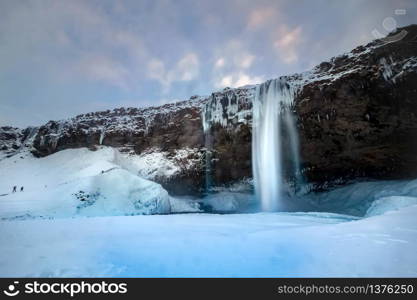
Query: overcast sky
x=62, y=58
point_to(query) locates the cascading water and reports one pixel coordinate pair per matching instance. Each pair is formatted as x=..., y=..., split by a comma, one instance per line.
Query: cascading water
x=102, y=135
x=208, y=145
x=271, y=116
x=291, y=128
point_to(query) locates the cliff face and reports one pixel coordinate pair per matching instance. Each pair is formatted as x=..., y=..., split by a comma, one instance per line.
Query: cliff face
x=356, y=117
x=359, y=118
x=13, y=139
x=169, y=137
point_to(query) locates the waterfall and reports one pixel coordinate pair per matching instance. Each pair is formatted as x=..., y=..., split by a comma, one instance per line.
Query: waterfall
x=294, y=148
x=102, y=135
x=30, y=137
x=208, y=145
x=272, y=116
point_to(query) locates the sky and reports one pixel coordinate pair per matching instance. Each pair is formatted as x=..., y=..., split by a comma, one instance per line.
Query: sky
x=60, y=58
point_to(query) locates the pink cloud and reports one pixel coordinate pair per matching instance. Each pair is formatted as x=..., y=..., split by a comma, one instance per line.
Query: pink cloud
x=260, y=17
x=287, y=42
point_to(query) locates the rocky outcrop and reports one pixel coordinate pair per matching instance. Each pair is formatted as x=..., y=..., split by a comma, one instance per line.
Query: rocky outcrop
x=166, y=128
x=10, y=139
x=13, y=139
x=356, y=118
x=359, y=117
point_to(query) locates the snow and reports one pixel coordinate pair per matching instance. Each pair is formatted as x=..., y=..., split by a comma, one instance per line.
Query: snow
x=184, y=205
x=85, y=213
x=228, y=107
x=76, y=182
x=386, y=68
x=150, y=164
x=391, y=70
x=387, y=204
x=355, y=199
x=154, y=163
x=228, y=202
x=209, y=245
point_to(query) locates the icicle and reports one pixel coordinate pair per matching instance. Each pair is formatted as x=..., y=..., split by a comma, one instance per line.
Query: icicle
x=294, y=147
x=387, y=70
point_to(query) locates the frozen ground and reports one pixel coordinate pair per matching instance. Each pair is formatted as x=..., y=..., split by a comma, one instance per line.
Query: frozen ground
x=52, y=229
x=261, y=244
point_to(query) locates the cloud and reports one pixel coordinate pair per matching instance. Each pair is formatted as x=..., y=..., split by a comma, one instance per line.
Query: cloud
x=225, y=81
x=76, y=36
x=238, y=79
x=244, y=79
x=235, y=54
x=104, y=69
x=245, y=60
x=219, y=63
x=260, y=17
x=232, y=68
x=156, y=70
x=287, y=42
x=186, y=69
x=285, y=39
x=241, y=60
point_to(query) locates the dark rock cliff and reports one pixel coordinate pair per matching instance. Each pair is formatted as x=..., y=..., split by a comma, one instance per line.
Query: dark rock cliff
x=356, y=118
x=362, y=123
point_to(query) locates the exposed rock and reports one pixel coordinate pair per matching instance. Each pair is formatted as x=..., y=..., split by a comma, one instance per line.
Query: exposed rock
x=13, y=139
x=363, y=123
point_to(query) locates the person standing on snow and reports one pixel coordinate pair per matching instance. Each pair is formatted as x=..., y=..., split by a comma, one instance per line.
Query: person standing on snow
x=21, y=189
x=14, y=189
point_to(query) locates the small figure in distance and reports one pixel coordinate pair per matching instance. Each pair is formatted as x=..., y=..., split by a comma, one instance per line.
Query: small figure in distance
x=21, y=189
x=14, y=189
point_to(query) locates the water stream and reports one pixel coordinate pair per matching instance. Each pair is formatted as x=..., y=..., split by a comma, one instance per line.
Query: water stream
x=273, y=116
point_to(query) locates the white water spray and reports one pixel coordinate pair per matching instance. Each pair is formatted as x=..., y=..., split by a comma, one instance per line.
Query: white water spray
x=271, y=110
x=208, y=145
x=291, y=128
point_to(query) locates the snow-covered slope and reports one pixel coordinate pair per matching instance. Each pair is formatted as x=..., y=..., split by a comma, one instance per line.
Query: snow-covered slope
x=155, y=164
x=76, y=182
